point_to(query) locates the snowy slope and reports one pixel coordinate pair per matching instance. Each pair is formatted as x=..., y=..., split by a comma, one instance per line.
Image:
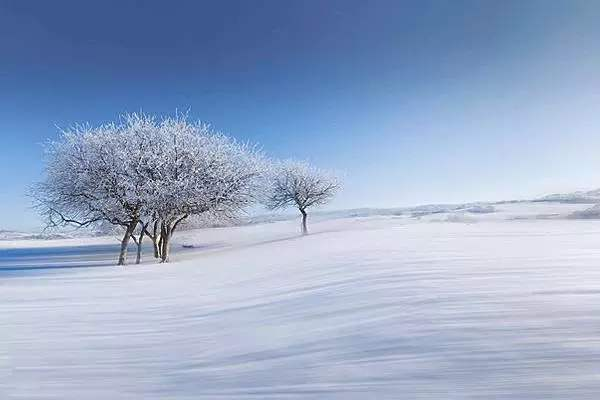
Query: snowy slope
x=364, y=308
x=15, y=235
x=591, y=196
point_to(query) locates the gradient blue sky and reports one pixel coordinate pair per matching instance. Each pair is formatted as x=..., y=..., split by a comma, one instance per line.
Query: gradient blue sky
x=415, y=101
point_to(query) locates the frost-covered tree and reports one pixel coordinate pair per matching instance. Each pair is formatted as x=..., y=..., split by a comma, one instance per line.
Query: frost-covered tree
x=146, y=175
x=195, y=170
x=91, y=179
x=300, y=185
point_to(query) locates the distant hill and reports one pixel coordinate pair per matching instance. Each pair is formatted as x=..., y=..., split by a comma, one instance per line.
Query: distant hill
x=15, y=235
x=581, y=197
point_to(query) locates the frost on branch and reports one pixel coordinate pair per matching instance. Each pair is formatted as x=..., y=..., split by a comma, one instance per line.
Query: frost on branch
x=300, y=185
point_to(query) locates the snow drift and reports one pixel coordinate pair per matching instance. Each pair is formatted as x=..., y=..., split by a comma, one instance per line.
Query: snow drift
x=378, y=307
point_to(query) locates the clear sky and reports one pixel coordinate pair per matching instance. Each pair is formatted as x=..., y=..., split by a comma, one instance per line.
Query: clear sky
x=414, y=101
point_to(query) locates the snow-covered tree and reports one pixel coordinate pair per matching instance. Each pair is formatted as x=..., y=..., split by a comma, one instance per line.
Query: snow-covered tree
x=195, y=170
x=90, y=179
x=300, y=185
x=146, y=175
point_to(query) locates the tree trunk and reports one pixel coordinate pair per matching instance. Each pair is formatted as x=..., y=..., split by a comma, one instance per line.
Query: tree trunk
x=159, y=245
x=165, y=239
x=125, y=242
x=155, y=244
x=304, y=229
x=138, y=258
x=166, y=232
x=156, y=240
x=164, y=253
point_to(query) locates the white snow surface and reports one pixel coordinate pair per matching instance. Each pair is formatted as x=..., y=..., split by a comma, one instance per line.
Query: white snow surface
x=382, y=307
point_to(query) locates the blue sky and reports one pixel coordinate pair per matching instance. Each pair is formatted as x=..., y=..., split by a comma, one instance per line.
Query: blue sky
x=414, y=101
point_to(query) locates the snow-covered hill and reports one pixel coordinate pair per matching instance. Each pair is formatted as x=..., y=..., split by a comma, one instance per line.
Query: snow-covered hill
x=588, y=197
x=15, y=235
x=380, y=307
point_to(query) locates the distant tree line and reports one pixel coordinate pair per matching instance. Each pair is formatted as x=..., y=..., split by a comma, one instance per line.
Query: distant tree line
x=147, y=175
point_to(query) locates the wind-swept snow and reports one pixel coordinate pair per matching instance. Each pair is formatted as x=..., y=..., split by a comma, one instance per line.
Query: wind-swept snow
x=363, y=308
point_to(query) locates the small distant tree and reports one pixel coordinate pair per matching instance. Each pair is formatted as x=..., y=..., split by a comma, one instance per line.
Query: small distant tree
x=300, y=185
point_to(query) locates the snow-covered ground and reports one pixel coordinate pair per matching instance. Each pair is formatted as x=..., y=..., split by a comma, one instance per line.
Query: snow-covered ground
x=468, y=304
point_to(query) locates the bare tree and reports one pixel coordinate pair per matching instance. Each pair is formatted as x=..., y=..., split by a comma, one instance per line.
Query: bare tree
x=300, y=185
